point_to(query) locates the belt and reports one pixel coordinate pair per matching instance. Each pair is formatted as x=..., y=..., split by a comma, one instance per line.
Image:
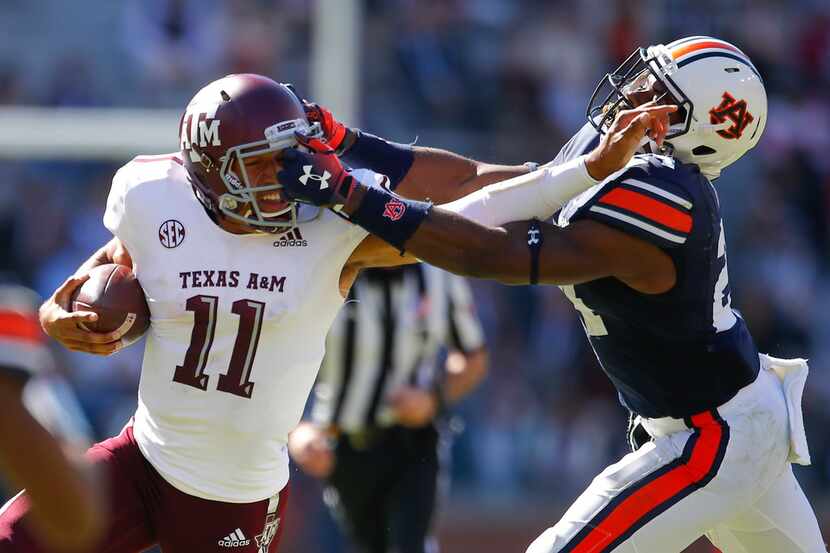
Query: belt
x=668, y=425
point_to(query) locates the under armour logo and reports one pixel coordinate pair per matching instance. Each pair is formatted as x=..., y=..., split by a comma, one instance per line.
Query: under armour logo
x=533, y=236
x=735, y=111
x=307, y=174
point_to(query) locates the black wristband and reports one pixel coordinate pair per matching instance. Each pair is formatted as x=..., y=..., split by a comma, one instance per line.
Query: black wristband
x=390, y=217
x=534, y=244
x=381, y=156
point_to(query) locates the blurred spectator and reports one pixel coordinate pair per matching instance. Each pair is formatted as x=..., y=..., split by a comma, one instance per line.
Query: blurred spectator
x=11, y=85
x=174, y=44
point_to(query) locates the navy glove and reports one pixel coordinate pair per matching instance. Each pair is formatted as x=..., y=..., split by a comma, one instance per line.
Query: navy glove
x=315, y=178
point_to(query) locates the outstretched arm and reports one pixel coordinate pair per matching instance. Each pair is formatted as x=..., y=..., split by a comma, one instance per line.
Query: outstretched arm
x=584, y=251
x=441, y=176
x=415, y=172
x=448, y=240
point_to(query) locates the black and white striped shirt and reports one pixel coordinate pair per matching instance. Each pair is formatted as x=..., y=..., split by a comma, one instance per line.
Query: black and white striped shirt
x=389, y=334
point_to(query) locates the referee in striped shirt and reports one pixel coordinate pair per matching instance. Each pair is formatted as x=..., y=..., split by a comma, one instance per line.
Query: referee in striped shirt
x=372, y=433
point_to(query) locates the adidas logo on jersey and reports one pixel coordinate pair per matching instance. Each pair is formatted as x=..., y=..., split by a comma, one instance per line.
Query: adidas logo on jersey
x=234, y=539
x=291, y=239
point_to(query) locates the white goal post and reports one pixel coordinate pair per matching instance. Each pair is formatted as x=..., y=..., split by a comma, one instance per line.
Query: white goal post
x=86, y=133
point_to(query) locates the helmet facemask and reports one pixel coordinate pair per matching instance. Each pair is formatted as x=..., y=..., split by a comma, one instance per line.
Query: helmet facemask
x=240, y=203
x=645, y=68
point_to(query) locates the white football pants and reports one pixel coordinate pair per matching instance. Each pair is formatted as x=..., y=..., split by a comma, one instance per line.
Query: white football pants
x=723, y=473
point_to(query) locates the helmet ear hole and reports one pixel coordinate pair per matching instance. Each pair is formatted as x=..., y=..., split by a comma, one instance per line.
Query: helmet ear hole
x=703, y=151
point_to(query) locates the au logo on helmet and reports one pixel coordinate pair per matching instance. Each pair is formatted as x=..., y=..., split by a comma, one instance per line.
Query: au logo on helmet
x=733, y=110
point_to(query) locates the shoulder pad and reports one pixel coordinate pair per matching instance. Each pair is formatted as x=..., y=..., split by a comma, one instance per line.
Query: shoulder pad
x=649, y=199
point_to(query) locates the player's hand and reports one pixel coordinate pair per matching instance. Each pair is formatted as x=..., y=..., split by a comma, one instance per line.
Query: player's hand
x=310, y=447
x=314, y=178
x=413, y=407
x=336, y=135
x=334, y=132
x=67, y=327
x=625, y=135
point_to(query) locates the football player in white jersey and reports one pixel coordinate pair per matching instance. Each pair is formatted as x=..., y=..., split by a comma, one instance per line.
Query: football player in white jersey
x=242, y=286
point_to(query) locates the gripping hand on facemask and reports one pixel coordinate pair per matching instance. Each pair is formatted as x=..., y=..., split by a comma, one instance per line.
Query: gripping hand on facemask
x=335, y=133
x=315, y=178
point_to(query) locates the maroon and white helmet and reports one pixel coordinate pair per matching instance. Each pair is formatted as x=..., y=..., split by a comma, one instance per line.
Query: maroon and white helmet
x=228, y=121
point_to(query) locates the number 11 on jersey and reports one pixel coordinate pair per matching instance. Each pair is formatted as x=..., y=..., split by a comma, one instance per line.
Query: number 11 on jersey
x=237, y=380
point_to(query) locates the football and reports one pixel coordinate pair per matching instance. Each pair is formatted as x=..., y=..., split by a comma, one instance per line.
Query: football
x=113, y=292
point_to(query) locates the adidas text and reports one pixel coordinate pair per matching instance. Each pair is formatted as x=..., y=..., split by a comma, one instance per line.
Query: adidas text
x=284, y=243
x=291, y=239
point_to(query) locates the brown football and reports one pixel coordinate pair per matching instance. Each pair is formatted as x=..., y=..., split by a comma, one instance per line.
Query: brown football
x=113, y=292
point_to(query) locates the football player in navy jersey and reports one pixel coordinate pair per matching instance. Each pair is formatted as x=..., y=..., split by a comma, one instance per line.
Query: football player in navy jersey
x=641, y=254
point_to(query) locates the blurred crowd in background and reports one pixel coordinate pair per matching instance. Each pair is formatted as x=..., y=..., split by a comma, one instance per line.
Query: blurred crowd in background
x=498, y=80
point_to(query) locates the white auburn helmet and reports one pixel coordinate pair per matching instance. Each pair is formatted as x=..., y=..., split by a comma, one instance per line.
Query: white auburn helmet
x=723, y=103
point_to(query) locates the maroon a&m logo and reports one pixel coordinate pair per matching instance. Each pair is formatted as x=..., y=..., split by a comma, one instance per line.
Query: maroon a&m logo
x=171, y=233
x=394, y=209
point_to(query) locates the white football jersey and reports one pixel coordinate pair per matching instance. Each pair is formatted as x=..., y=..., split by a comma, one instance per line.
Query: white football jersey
x=237, y=334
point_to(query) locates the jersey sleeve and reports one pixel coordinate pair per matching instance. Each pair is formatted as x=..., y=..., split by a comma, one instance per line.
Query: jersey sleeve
x=464, y=327
x=645, y=206
x=117, y=214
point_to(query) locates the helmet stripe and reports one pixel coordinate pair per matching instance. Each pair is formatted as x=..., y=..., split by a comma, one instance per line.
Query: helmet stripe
x=678, y=42
x=687, y=50
x=684, y=49
x=703, y=55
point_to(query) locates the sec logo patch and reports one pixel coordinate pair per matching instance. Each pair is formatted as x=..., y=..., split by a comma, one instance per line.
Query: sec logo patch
x=171, y=233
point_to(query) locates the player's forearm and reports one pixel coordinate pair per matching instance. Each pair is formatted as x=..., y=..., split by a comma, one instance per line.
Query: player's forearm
x=423, y=173
x=66, y=510
x=467, y=248
x=442, y=176
x=504, y=253
x=536, y=195
x=436, y=235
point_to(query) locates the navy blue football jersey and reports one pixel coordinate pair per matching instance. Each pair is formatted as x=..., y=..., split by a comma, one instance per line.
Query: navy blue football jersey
x=683, y=351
